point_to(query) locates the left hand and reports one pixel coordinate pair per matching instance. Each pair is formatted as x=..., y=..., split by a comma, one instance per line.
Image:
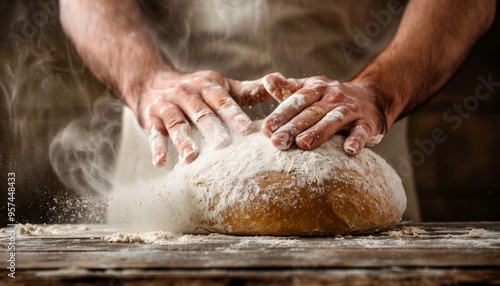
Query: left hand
x=314, y=109
x=171, y=102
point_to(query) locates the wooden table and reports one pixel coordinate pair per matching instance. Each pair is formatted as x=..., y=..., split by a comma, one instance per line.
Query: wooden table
x=413, y=254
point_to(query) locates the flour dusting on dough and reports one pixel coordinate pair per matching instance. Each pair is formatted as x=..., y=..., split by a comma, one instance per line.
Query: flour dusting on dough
x=180, y=199
x=253, y=155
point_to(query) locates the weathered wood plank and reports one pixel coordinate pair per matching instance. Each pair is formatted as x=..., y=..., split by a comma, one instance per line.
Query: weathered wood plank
x=311, y=277
x=430, y=254
x=258, y=259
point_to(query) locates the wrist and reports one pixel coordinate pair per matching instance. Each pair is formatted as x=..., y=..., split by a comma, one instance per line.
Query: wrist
x=390, y=98
x=135, y=84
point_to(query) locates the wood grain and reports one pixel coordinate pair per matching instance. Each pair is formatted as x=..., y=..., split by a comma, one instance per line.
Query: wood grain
x=416, y=254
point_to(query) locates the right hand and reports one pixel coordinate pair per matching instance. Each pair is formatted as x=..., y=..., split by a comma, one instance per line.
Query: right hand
x=313, y=109
x=170, y=101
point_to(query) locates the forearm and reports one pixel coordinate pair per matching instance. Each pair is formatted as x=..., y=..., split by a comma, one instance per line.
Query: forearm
x=110, y=38
x=433, y=39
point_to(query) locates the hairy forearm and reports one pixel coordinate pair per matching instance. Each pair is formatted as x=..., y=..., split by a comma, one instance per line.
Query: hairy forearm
x=109, y=36
x=110, y=39
x=433, y=39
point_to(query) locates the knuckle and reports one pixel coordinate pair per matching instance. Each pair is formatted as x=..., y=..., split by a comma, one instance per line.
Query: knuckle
x=210, y=86
x=334, y=96
x=276, y=74
x=274, y=79
x=344, y=110
x=173, y=122
x=209, y=77
x=317, y=86
x=295, y=102
x=180, y=89
x=210, y=74
x=318, y=78
x=316, y=110
x=222, y=103
x=203, y=81
x=165, y=110
x=335, y=115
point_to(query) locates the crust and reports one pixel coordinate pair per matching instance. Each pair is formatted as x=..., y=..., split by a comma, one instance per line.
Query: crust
x=328, y=209
x=362, y=200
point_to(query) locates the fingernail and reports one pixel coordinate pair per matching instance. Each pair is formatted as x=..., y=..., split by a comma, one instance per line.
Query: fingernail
x=282, y=140
x=269, y=127
x=189, y=150
x=245, y=127
x=160, y=159
x=306, y=139
x=188, y=154
x=352, y=147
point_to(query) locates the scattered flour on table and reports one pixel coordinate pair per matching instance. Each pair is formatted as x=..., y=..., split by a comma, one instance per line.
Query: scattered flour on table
x=475, y=238
x=168, y=238
x=152, y=237
x=406, y=231
x=411, y=231
x=478, y=233
x=29, y=229
x=35, y=229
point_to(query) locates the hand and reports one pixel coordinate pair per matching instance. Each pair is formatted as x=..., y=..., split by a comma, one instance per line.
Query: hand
x=170, y=101
x=314, y=109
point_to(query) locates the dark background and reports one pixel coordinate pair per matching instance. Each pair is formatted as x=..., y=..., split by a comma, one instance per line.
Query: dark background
x=460, y=180
x=44, y=86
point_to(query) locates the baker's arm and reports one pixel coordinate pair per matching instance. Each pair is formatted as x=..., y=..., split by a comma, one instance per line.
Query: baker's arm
x=110, y=38
x=433, y=39
x=431, y=43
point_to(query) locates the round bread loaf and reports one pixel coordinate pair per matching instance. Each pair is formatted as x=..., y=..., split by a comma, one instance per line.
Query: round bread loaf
x=252, y=188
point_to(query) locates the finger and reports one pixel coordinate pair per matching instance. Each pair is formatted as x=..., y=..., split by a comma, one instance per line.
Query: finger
x=333, y=121
x=182, y=137
x=179, y=129
x=286, y=122
x=202, y=116
x=284, y=137
x=211, y=128
x=247, y=93
x=158, y=140
x=226, y=108
x=357, y=139
x=279, y=87
x=291, y=107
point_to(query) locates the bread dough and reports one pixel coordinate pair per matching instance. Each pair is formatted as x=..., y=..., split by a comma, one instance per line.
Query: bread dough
x=252, y=188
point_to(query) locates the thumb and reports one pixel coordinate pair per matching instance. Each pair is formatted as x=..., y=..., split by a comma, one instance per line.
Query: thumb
x=247, y=93
x=279, y=87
